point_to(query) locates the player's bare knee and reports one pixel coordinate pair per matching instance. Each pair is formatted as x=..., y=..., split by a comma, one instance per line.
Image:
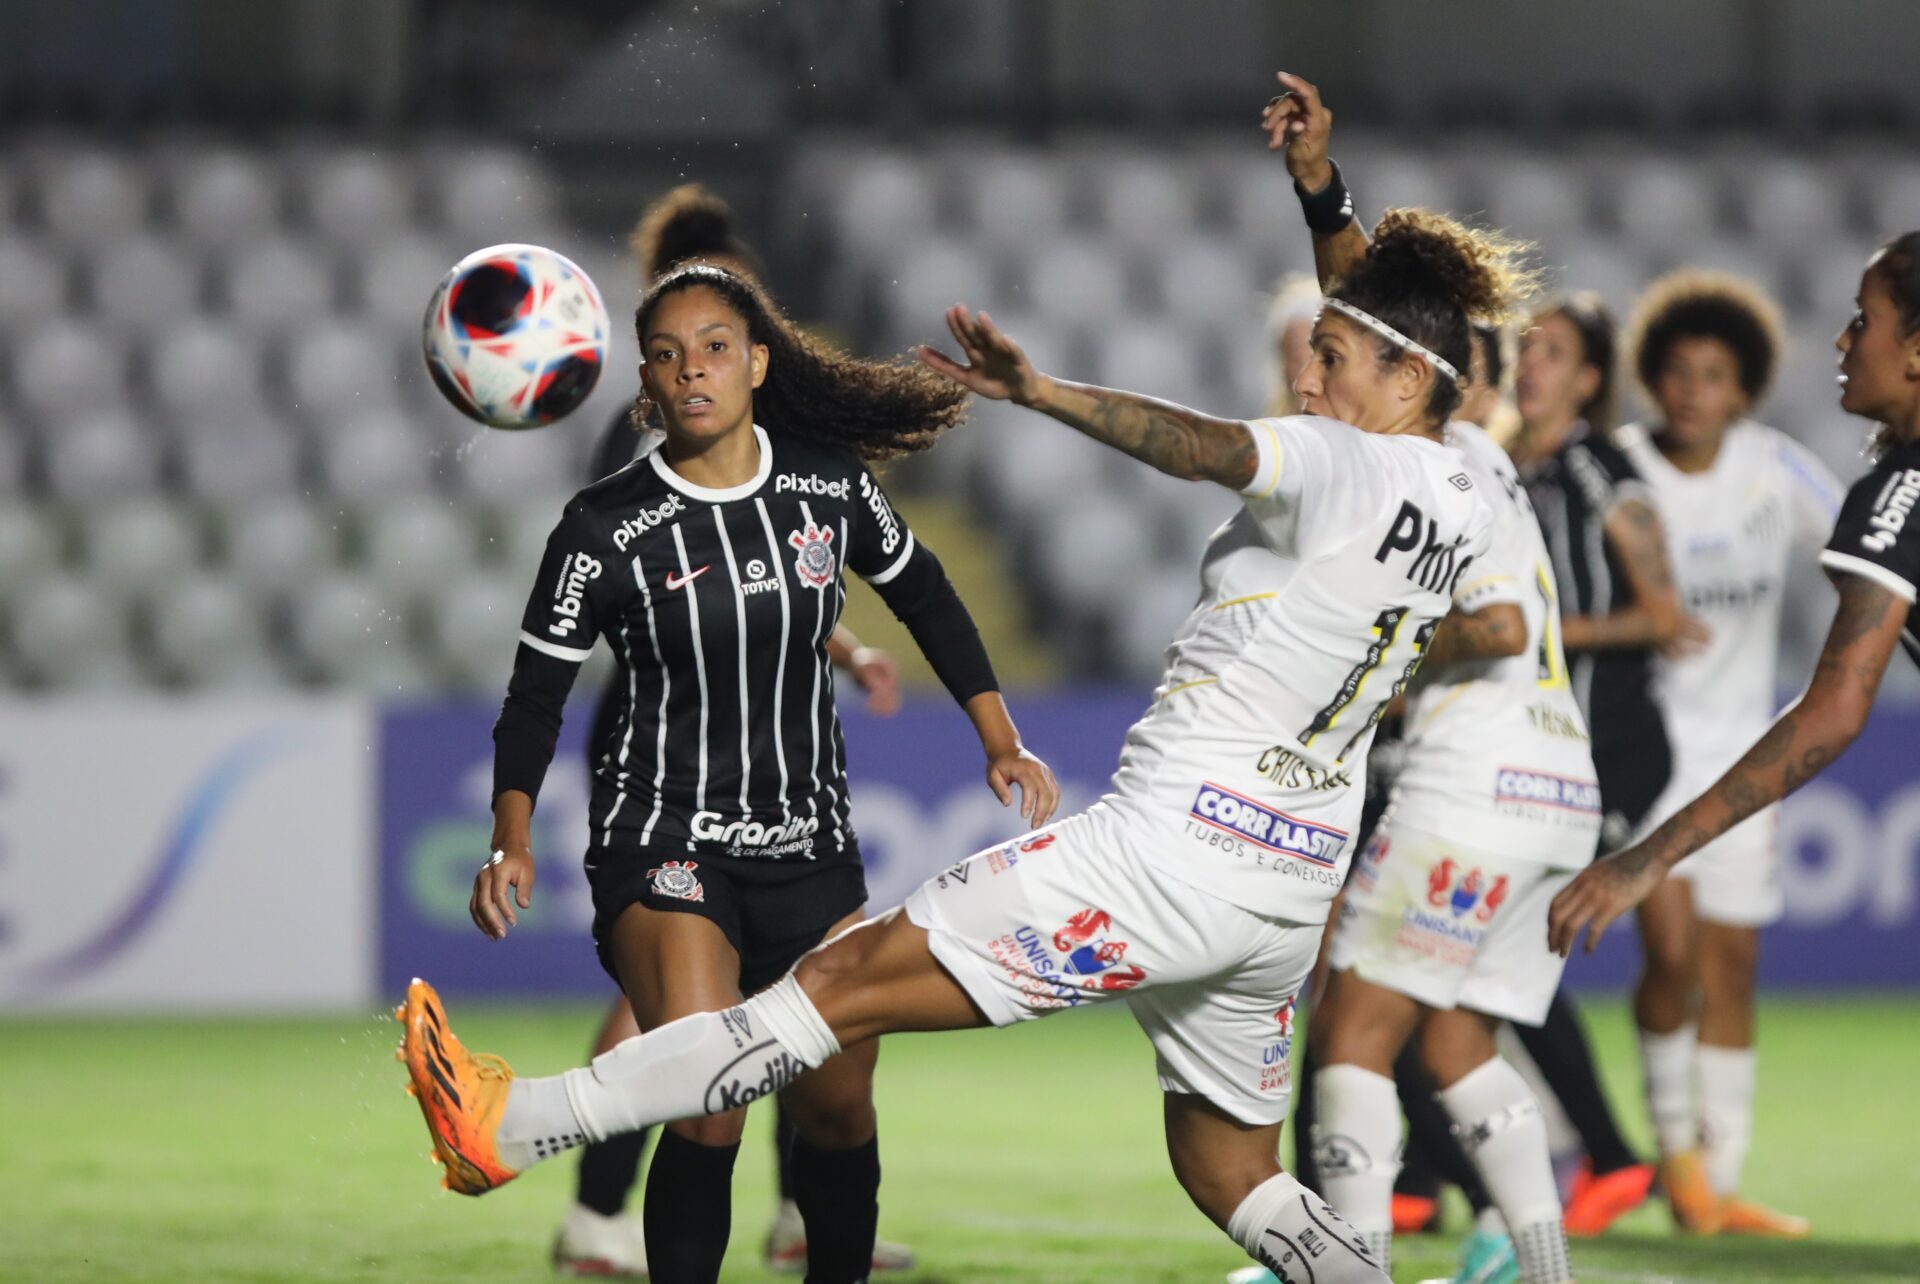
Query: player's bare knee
x=712, y=1130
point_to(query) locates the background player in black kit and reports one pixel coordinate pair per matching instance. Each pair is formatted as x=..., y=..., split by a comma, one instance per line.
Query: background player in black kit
x=1874, y=561
x=720, y=847
x=689, y=224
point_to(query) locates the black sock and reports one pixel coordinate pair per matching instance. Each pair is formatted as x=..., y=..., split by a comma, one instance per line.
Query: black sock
x=608, y=1170
x=1304, y=1170
x=1430, y=1129
x=1418, y=1173
x=1559, y=1047
x=689, y=1209
x=783, y=1135
x=839, y=1196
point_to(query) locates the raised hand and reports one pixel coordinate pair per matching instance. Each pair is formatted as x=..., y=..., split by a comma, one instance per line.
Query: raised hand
x=1039, y=791
x=1600, y=893
x=995, y=369
x=1299, y=124
x=495, y=887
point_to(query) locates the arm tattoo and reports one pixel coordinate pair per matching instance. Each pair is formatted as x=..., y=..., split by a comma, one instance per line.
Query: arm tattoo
x=1644, y=550
x=1808, y=736
x=1183, y=443
x=1489, y=633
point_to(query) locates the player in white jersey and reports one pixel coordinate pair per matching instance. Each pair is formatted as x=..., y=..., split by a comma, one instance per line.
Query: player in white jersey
x=1197, y=888
x=1741, y=503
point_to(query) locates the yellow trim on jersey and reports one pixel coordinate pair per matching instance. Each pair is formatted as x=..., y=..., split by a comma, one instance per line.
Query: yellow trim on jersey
x=1197, y=682
x=1467, y=589
x=1236, y=601
x=1279, y=460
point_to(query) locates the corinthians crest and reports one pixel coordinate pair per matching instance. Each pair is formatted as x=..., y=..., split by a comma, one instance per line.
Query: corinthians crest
x=678, y=881
x=814, y=565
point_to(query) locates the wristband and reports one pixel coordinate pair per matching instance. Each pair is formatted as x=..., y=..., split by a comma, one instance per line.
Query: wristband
x=1329, y=210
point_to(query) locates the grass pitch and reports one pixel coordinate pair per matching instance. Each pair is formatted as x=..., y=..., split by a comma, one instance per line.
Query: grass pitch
x=283, y=1151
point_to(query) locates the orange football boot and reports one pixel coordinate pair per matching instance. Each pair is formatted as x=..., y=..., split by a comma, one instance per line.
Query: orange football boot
x=1414, y=1214
x=461, y=1094
x=1741, y=1217
x=1696, y=1209
x=1595, y=1203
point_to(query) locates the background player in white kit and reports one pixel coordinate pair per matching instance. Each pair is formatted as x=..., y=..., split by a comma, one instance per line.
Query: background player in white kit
x=1198, y=887
x=1740, y=502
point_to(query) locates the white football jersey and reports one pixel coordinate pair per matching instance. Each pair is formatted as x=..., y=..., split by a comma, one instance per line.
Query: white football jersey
x=1317, y=600
x=1497, y=751
x=1731, y=532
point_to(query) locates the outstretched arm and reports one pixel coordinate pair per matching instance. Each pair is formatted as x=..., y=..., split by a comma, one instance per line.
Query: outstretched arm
x=1180, y=442
x=1799, y=745
x=1491, y=633
x=1300, y=125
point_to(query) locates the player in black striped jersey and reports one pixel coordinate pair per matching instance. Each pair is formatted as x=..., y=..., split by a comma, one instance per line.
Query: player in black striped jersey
x=1873, y=559
x=721, y=849
x=689, y=224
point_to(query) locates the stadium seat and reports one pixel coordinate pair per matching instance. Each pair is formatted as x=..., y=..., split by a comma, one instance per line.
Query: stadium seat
x=1006, y=199
x=1028, y=464
x=64, y=368
x=1145, y=201
x=209, y=631
x=280, y=283
x=930, y=277
x=222, y=199
x=90, y=196
x=199, y=367
x=374, y=454
x=31, y=540
x=473, y=625
x=502, y=465
x=73, y=625
x=395, y=277
x=1260, y=200
x=1534, y=197
x=276, y=543
x=1078, y=279
x=515, y=540
x=1093, y=548
x=1788, y=202
x=1161, y=357
x=1664, y=205
x=1610, y=269
x=139, y=545
x=145, y=283
x=1207, y=279
x=343, y=626
x=342, y=368
x=1145, y=620
x=102, y=455
x=1832, y=276
x=36, y=277
x=230, y=461
x=493, y=196
x=1893, y=197
x=356, y=197
x=15, y=477
x=1404, y=178
x=886, y=200
x=410, y=545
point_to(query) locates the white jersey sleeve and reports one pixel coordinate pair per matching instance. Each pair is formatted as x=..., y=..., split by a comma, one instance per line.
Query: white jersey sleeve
x=1309, y=471
x=1813, y=495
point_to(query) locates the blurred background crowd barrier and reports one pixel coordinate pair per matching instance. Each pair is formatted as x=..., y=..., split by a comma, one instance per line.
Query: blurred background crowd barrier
x=259, y=586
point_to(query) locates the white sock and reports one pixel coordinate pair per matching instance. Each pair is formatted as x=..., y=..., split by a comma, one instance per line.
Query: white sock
x=1356, y=1143
x=1500, y=1127
x=1726, y=1112
x=1282, y=1224
x=699, y=1065
x=1667, y=1061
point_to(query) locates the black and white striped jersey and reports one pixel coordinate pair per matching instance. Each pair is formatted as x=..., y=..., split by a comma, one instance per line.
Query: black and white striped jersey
x=718, y=605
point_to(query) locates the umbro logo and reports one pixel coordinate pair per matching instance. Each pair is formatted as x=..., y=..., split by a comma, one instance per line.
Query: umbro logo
x=681, y=581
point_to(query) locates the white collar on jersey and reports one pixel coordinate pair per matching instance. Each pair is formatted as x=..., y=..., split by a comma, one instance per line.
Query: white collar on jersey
x=1392, y=336
x=658, y=460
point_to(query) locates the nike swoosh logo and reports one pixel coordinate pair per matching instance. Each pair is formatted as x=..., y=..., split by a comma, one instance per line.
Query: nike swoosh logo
x=681, y=581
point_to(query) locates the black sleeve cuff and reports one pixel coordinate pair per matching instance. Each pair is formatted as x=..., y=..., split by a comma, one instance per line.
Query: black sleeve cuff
x=528, y=729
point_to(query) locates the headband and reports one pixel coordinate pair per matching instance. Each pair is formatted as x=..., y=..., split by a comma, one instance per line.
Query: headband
x=1394, y=337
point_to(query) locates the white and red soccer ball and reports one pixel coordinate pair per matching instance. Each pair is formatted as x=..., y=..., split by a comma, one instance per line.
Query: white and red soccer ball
x=516, y=336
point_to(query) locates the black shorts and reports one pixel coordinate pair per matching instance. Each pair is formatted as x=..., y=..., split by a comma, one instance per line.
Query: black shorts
x=1633, y=763
x=771, y=911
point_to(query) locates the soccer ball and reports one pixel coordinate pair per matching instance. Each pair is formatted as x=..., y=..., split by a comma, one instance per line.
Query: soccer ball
x=515, y=336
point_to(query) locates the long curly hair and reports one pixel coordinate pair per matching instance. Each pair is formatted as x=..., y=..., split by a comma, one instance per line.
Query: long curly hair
x=687, y=225
x=1692, y=303
x=1429, y=277
x=876, y=409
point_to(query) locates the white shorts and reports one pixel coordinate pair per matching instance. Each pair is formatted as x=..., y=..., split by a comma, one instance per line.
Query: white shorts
x=1075, y=914
x=1736, y=878
x=1450, y=926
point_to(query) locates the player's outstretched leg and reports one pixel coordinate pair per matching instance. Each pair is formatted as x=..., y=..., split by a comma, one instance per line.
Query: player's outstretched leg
x=489, y=1127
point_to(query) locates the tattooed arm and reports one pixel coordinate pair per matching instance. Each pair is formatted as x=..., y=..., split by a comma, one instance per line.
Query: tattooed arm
x=1655, y=619
x=1180, y=442
x=1802, y=741
x=1490, y=633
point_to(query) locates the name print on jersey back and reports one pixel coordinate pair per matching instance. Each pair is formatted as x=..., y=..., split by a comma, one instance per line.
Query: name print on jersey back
x=1440, y=563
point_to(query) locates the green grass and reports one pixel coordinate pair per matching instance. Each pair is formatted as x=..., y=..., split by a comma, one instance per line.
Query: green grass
x=284, y=1151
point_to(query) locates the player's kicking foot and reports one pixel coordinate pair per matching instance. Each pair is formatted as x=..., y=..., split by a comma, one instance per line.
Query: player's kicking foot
x=1415, y=1214
x=597, y=1246
x=1741, y=1217
x=460, y=1093
x=1597, y=1202
x=786, y=1246
x=1696, y=1209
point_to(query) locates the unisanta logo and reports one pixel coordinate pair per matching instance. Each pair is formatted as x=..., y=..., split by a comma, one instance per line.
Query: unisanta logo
x=1465, y=892
x=1262, y=826
x=571, y=591
x=808, y=484
x=712, y=827
x=1538, y=789
x=1094, y=955
x=1891, y=513
x=647, y=519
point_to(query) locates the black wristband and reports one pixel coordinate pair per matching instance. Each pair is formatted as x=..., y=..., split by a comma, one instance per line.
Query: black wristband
x=1329, y=210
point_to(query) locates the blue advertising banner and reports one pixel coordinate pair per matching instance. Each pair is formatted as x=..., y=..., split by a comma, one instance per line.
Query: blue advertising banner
x=920, y=802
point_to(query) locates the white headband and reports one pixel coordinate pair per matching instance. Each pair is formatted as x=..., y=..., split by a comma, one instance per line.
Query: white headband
x=1394, y=337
